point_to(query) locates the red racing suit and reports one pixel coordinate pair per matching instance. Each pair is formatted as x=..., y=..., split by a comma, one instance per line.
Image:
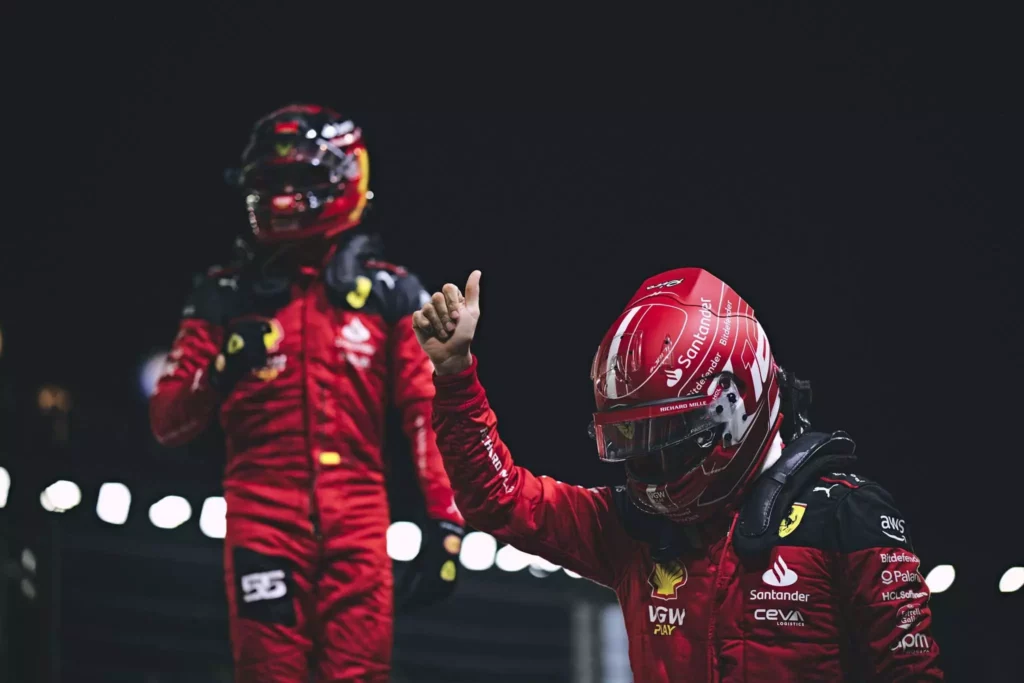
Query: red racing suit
x=305, y=554
x=835, y=596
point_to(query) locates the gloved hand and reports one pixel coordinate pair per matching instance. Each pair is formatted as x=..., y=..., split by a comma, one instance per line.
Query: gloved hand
x=431, y=576
x=245, y=349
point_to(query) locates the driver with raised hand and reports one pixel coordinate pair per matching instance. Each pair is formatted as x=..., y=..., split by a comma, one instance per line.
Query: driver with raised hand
x=734, y=556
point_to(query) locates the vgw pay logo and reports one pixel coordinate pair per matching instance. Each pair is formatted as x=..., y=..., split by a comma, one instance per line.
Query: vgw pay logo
x=665, y=619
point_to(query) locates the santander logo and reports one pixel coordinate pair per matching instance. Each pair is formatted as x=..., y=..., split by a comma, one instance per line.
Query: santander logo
x=779, y=574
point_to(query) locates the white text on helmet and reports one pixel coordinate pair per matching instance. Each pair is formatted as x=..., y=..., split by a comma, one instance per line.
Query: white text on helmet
x=670, y=283
x=760, y=365
x=700, y=336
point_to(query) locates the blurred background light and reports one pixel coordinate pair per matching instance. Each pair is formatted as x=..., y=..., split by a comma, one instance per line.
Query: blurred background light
x=5, y=486
x=478, y=551
x=54, y=398
x=940, y=578
x=170, y=512
x=151, y=371
x=113, y=503
x=1012, y=580
x=511, y=560
x=28, y=561
x=60, y=496
x=540, y=567
x=213, y=517
x=404, y=539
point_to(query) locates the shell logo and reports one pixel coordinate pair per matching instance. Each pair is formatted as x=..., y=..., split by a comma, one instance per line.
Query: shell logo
x=666, y=579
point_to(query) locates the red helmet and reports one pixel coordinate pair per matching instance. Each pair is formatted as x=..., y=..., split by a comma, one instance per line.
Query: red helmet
x=687, y=395
x=305, y=173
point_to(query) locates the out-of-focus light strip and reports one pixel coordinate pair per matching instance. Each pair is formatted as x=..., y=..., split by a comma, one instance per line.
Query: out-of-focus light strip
x=1012, y=580
x=113, y=503
x=170, y=512
x=5, y=486
x=478, y=551
x=213, y=517
x=940, y=578
x=404, y=540
x=60, y=496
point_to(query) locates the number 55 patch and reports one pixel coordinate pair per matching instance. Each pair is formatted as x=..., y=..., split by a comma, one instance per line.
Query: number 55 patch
x=264, y=588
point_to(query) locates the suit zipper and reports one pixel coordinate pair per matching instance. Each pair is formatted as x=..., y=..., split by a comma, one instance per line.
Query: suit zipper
x=715, y=585
x=314, y=506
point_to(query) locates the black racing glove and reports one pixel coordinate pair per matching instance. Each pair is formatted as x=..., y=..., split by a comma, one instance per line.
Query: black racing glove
x=245, y=350
x=431, y=576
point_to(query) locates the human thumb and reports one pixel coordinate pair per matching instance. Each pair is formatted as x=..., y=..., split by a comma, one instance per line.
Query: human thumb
x=473, y=290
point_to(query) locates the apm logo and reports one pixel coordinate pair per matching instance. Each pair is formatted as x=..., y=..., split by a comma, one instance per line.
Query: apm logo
x=912, y=642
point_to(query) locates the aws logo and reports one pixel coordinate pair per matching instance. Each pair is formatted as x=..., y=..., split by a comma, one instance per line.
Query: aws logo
x=666, y=580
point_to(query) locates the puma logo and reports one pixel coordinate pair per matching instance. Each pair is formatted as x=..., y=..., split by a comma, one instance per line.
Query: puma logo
x=828, y=491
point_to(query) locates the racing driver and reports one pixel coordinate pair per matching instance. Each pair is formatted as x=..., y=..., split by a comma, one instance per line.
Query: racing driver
x=735, y=557
x=299, y=347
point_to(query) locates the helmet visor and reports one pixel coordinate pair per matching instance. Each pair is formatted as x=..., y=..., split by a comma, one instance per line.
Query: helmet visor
x=288, y=197
x=635, y=431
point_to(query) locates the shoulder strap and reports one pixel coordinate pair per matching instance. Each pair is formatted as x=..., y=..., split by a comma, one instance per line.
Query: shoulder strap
x=773, y=492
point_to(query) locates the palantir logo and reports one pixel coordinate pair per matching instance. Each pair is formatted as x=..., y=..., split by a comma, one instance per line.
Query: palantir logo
x=779, y=574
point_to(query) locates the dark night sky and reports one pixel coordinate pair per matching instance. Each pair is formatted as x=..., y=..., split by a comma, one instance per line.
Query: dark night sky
x=879, y=252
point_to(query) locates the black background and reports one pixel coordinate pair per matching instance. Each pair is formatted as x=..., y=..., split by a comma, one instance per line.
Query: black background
x=879, y=251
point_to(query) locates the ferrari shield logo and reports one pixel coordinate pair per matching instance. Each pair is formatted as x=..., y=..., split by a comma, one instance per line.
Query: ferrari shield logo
x=789, y=524
x=357, y=297
x=627, y=429
x=272, y=339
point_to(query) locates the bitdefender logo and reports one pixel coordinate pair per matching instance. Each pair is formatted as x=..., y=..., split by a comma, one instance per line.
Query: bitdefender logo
x=890, y=558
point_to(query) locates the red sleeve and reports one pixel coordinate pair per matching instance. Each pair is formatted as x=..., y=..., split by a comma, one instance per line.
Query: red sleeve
x=571, y=526
x=413, y=392
x=884, y=593
x=184, y=402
